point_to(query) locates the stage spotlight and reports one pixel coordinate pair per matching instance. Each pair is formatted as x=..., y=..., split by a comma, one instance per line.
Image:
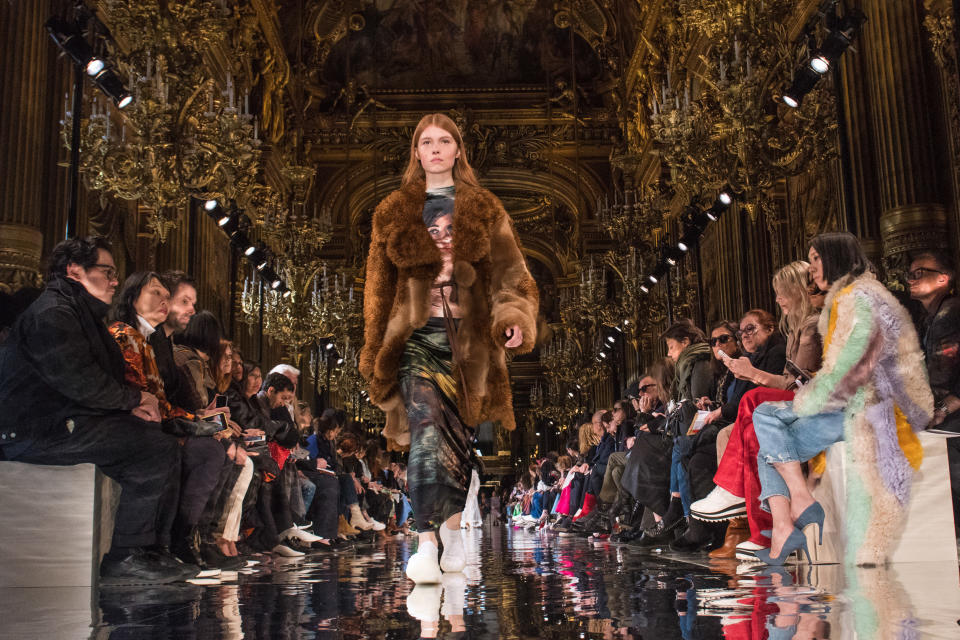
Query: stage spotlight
x=249, y=250
x=276, y=284
x=94, y=67
x=68, y=37
x=569, y=394
x=672, y=255
x=837, y=41
x=611, y=339
x=211, y=206
x=725, y=197
x=803, y=82
x=683, y=246
x=229, y=223
x=820, y=63
x=339, y=361
x=653, y=279
x=110, y=83
x=329, y=346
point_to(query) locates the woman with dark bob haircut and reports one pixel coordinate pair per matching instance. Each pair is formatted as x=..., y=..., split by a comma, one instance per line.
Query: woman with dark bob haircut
x=871, y=393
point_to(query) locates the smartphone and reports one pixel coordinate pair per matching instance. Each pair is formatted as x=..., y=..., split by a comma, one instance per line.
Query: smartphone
x=254, y=440
x=219, y=401
x=219, y=419
x=802, y=375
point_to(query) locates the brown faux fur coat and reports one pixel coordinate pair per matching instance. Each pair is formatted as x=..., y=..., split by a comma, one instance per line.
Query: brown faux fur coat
x=496, y=292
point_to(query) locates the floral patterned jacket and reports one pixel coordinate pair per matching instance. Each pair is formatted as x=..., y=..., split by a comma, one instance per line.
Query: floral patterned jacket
x=141, y=370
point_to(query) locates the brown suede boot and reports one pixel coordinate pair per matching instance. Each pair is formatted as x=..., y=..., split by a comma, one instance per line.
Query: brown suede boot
x=343, y=527
x=737, y=532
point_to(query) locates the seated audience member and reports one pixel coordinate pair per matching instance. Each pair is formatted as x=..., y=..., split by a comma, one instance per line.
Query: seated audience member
x=873, y=387
x=932, y=280
x=738, y=483
x=140, y=307
x=65, y=402
x=598, y=460
x=181, y=306
x=625, y=415
x=572, y=496
x=348, y=447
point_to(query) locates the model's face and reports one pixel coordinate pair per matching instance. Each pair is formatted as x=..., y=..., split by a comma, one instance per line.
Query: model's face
x=925, y=278
x=442, y=233
x=152, y=303
x=437, y=150
x=183, y=305
x=100, y=280
x=722, y=340
x=816, y=269
x=676, y=347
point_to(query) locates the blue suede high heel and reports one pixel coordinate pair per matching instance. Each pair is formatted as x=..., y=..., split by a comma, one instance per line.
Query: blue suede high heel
x=811, y=515
x=795, y=541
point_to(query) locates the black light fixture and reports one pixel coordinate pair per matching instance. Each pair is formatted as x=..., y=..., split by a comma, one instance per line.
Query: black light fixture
x=213, y=208
x=803, y=82
x=68, y=37
x=837, y=41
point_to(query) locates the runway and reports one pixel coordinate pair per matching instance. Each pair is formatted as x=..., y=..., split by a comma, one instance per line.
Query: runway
x=518, y=584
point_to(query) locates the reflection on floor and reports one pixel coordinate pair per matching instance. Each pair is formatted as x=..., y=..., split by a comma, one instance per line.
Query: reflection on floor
x=518, y=584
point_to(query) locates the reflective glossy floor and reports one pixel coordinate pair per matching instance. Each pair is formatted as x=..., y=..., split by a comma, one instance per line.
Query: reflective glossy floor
x=518, y=584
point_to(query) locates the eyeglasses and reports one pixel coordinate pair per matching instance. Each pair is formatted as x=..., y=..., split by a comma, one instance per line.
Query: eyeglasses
x=644, y=388
x=919, y=273
x=724, y=339
x=747, y=331
x=108, y=270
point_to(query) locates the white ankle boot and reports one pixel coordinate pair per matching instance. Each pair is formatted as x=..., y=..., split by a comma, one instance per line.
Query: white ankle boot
x=454, y=557
x=357, y=521
x=422, y=567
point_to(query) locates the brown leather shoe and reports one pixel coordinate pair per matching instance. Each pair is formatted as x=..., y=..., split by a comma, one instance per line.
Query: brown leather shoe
x=737, y=532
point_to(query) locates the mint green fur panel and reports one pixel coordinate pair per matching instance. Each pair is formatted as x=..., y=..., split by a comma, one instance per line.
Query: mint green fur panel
x=859, y=501
x=851, y=350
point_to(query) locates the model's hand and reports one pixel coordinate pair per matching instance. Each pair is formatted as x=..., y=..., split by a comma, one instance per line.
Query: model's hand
x=514, y=337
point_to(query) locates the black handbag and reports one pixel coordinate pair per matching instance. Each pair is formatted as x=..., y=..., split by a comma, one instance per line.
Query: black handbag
x=181, y=427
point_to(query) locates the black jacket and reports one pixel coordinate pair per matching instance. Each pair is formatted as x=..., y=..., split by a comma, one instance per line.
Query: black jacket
x=771, y=357
x=277, y=423
x=59, y=362
x=173, y=383
x=606, y=446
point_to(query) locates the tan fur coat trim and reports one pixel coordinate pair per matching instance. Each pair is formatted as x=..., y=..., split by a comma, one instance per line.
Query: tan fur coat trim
x=496, y=291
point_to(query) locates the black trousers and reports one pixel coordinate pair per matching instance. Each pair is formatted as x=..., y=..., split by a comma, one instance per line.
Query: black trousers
x=192, y=482
x=135, y=453
x=324, y=510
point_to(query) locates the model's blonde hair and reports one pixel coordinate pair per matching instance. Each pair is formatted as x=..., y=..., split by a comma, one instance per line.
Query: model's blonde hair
x=587, y=438
x=462, y=171
x=792, y=282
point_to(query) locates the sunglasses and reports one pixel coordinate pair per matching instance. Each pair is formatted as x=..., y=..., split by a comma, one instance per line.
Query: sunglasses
x=919, y=273
x=644, y=388
x=724, y=339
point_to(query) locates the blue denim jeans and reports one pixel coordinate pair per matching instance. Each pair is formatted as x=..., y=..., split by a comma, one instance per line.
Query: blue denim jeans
x=405, y=510
x=785, y=437
x=307, y=490
x=679, y=480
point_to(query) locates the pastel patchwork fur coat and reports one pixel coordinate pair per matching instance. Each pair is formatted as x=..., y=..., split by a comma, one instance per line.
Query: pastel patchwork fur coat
x=495, y=292
x=873, y=370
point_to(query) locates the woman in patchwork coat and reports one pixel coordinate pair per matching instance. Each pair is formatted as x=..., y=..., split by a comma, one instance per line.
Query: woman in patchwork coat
x=447, y=294
x=871, y=392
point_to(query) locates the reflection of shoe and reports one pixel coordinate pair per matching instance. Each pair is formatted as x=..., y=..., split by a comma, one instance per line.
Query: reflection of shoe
x=720, y=504
x=423, y=567
x=454, y=556
x=423, y=603
x=454, y=594
x=284, y=551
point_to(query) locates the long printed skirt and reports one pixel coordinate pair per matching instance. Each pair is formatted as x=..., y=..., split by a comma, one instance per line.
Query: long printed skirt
x=441, y=445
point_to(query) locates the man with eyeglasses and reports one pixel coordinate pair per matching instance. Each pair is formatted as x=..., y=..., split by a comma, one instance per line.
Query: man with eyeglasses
x=931, y=279
x=65, y=402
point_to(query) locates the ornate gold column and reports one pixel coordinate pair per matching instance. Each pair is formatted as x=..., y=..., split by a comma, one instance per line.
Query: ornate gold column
x=22, y=74
x=912, y=215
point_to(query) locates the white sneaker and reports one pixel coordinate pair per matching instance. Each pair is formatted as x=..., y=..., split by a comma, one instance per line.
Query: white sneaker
x=719, y=505
x=284, y=551
x=422, y=567
x=299, y=534
x=377, y=525
x=747, y=551
x=454, y=557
